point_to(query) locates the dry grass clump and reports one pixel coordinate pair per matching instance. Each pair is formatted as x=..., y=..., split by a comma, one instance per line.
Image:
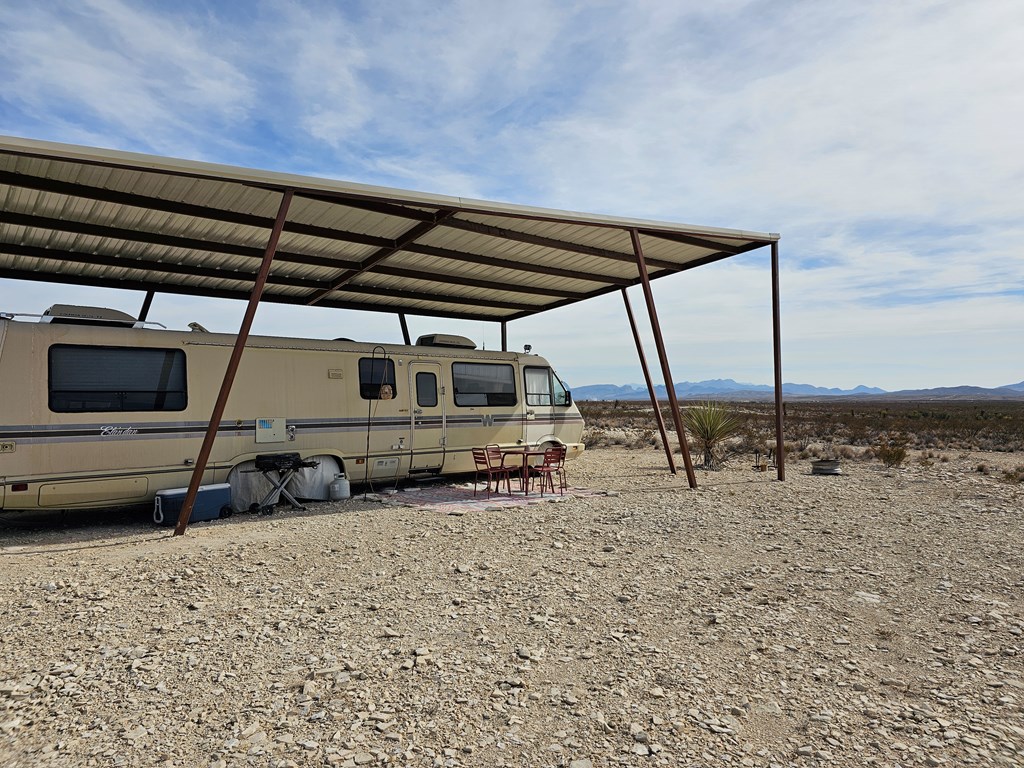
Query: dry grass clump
x=1015, y=475
x=892, y=451
x=595, y=437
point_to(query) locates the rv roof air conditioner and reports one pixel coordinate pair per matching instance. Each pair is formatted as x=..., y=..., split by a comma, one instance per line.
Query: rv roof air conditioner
x=69, y=314
x=445, y=340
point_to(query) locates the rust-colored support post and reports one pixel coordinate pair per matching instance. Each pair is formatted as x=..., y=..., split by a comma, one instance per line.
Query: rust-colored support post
x=780, y=443
x=659, y=343
x=405, y=329
x=504, y=336
x=232, y=369
x=650, y=384
x=146, y=304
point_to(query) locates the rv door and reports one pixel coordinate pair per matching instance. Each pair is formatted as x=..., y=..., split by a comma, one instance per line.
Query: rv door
x=429, y=428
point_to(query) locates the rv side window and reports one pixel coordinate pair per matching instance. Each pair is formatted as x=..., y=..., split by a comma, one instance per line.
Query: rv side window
x=484, y=384
x=91, y=379
x=538, y=386
x=377, y=378
x=426, y=390
x=543, y=387
x=561, y=394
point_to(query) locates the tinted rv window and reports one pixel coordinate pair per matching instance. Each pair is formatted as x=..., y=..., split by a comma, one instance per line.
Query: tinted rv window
x=426, y=390
x=484, y=384
x=86, y=379
x=377, y=378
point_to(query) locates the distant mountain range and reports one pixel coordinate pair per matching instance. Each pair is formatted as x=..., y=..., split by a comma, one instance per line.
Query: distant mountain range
x=728, y=389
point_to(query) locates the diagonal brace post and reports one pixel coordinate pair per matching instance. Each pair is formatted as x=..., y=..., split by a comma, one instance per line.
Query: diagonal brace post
x=659, y=343
x=650, y=384
x=233, y=362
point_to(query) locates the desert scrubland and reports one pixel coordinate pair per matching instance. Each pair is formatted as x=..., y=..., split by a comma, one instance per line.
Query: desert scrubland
x=870, y=618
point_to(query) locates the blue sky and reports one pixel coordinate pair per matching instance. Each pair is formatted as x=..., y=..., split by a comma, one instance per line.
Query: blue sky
x=880, y=139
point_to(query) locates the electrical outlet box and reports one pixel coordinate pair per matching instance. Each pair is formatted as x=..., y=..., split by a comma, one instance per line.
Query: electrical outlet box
x=270, y=430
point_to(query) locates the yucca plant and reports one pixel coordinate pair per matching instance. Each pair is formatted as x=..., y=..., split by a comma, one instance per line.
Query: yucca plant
x=709, y=423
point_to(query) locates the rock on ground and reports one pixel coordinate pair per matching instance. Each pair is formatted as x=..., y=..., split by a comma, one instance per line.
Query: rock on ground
x=874, y=618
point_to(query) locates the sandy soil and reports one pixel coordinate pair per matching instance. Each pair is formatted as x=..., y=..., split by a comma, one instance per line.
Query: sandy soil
x=875, y=618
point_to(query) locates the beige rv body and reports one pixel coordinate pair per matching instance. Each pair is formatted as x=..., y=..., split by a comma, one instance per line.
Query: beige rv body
x=290, y=395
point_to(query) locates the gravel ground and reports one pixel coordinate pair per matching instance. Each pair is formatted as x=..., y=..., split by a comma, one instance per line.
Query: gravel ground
x=874, y=618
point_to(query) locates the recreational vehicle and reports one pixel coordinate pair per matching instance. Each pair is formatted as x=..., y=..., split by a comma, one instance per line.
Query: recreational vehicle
x=99, y=410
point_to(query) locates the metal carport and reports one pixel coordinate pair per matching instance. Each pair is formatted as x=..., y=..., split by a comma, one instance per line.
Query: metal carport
x=97, y=217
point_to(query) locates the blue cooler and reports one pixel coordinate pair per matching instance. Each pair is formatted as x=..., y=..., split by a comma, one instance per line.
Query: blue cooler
x=212, y=501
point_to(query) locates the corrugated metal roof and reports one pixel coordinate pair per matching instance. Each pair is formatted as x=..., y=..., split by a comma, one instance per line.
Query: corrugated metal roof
x=124, y=220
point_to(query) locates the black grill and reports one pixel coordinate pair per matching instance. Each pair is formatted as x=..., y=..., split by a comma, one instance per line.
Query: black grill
x=268, y=462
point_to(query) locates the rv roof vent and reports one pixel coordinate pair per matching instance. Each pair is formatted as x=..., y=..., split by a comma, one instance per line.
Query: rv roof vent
x=445, y=340
x=68, y=314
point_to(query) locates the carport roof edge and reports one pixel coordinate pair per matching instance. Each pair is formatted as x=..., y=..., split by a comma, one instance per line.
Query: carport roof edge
x=127, y=220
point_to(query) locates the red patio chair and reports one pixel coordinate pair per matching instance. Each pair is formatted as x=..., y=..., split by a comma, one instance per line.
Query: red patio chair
x=485, y=466
x=496, y=457
x=553, y=464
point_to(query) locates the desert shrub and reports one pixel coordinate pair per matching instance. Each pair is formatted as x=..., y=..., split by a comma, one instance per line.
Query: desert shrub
x=846, y=452
x=644, y=439
x=983, y=469
x=710, y=423
x=892, y=451
x=1015, y=475
x=594, y=438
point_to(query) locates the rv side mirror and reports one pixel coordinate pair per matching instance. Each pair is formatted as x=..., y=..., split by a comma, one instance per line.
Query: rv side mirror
x=568, y=398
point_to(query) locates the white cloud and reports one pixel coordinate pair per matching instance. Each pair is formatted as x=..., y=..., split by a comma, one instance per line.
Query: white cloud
x=139, y=78
x=879, y=138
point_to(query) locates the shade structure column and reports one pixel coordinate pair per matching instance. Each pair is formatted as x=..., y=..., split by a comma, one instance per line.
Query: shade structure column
x=146, y=304
x=780, y=443
x=504, y=336
x=659, y=343
x=405, y=329
x=650, y=384
x=232, y=369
